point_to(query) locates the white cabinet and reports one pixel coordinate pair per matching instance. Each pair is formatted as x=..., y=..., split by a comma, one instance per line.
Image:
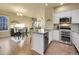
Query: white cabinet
x=71, y=13
x=37, y=43
x=75, y=39
x=50, y=36
x=66, y=14
x=56, y=35
x=56, y=18
x=74, y=16
x=77, y=16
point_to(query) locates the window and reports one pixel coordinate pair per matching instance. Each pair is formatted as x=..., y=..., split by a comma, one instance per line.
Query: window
x=3, y=23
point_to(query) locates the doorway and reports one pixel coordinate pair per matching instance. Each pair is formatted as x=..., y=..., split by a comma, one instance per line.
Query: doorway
x=18, y=31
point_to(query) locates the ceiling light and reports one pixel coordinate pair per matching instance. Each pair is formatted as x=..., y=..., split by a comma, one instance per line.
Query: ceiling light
x=20, y=9
x=19, y=14
x=61, y=3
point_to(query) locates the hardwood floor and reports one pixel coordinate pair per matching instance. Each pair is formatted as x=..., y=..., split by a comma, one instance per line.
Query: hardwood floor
x=9, y=47
x=61, y=48
x=25, y=49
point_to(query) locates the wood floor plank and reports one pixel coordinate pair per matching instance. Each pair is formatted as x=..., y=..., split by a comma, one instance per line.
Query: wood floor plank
x=58, y=48
x=9, y=47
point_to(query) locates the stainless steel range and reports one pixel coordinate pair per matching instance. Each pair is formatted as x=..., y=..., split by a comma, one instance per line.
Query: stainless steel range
x=65, y=29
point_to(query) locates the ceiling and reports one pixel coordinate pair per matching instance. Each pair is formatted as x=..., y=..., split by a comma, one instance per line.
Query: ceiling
x=27, y=9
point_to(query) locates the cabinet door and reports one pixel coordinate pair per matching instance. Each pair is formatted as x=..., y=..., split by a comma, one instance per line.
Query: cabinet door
x=77, y=17
x=75, y=39
x=50, y=36
x=74, y=14
x=66, y=14
x=56, y=35
x=38, y=43
x=56, y=18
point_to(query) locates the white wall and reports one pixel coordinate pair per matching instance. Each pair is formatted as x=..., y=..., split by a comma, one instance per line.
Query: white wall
x=12, y=17
x=67, y=7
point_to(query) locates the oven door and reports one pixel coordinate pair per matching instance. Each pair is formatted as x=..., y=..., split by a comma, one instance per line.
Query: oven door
x=65, y=35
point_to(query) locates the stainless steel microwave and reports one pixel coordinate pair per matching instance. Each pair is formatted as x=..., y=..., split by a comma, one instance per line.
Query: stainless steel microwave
x=65, y=20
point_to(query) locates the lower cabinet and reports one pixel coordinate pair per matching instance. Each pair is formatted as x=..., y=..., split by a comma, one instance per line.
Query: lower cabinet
x=40, y=42
x=75, y=39
x=50, y=36
x=56, y=35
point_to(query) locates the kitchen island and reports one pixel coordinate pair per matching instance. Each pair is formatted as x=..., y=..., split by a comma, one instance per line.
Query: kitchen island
x=40, y=42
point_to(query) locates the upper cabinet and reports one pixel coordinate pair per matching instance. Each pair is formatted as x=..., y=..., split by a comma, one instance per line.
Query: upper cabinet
x=77, y=16
x=74, y=16
x=56, y=18
x=72, y=13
